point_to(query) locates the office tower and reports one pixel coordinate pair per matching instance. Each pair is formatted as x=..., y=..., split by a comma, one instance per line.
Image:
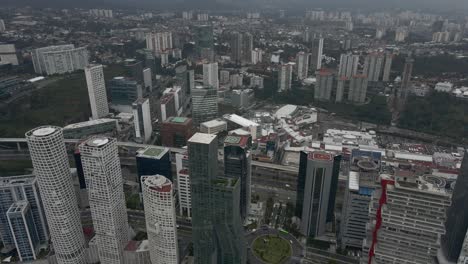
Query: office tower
x=176, y=131
x=257, y=56
x=183, y=184
x=256, y=81
x=148, y=78
x=2, y=26
x=228, y=229
x=316, y=191
x=236, y=47
x=237, y=164
x=123, y=92
x=104, y=181
x=324, y=85
x=204, y=104
x=204, y=41
x=142, y=120
x=407, y=215
x=285, y=77
x=97, y=91
x=59, y=59
x=150, y=61
x=302, y=65
x=358, y=89
x=158, y=200
x=153, y=160
x=159, y=41
x=373, y=66
x=52, y=170
x=247, y=47
x=8, y=54
x=224, y=76
x=25, y=235
x=316, y=54
x=348, y=65
x=134, y=69
x=363, y=179
x=210, y=75
x=203, y=168
x=457, y=216
x=21, y=189
x=236, y=80
x=185, y=78
x=387, y=67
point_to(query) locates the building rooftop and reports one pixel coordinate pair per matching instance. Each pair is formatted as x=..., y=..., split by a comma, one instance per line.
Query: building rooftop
x=286, y=111
x=224, y=182
x=177, y=120
x=158, y=183
x=202, y=138
x=241, y=141
x=89, y=123
x=214, y=123
x=323, y=156
x=241, y=121
x=152, y=152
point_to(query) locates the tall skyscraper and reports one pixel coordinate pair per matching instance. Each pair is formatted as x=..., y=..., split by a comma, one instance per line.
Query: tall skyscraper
x=348, y=65
x=52, y=170
x=104, y=181
x=387, y=67
x=257, y=56
x=203, y=167
x=124, y=92
x=148, y=78
x=324, y=85
x=247, y=47
x=316, y=54
x=159, y=41
x=400, y=95
x=302, y=65
x=457, y=217
x=97, y=91
x=236, y=47
x=2, y=25
x=373, y=66
x=142, y=120
x=210, y=75
x=204, y=41
x=237, y=164
x=22, y=189
x=160, y=215
x=204, y=104
x=183, y=185
x=59, y=59
x=285, y=77
x=153, y=160
x=316, y=191
x=358, y=89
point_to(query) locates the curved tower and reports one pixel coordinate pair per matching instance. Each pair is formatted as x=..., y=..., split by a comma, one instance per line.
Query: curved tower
x=52, y=170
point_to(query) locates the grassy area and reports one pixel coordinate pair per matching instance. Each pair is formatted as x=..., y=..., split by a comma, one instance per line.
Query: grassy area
x=14, y=167
x=272, y=249
x=59, y=103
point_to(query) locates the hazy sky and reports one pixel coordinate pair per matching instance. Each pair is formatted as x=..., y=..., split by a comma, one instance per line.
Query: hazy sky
x=442, y=5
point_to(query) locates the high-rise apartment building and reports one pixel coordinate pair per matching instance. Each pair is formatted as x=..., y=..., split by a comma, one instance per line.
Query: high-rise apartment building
x=348, y=65
x=373, y=66
x=387, y=67
x=2, y=26
x=154, y=160
x=203, y=168
x=285, y=77
x=210, y=75
x=302, y=65
x=104, y=181
x=401, y=34
x=8, y=54
x=160, y=215
x=51, y=167
x=142, y=120
x=256, y=81
x=247, y=47
x=224, y=76
x=59, y=59
x=316, y=191
x=237, y=80
x=324, y=85
x=159, y=41
x=257, y=56
x=183, y=185
x=148, y=78
x=237, y=164
x=97, y=91
x=457, y=218
x=407, y=215
x=363, y=179
x=316, y=53
x=22, y=189
x=204, y=104
x=358, y=89
x=176, y=131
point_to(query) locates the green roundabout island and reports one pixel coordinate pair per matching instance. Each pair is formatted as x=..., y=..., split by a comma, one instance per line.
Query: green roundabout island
x=271, y=249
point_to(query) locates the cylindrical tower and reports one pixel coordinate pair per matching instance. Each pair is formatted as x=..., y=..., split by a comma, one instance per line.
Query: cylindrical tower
x=51, y=167
x=160, y=217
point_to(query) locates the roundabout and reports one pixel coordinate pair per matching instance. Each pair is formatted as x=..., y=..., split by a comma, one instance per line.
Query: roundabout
x=272, y=249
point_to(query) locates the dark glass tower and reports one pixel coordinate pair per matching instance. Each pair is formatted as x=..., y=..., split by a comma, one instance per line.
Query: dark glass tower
x=237, y=164
x=152, y=161
x=457, y=216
